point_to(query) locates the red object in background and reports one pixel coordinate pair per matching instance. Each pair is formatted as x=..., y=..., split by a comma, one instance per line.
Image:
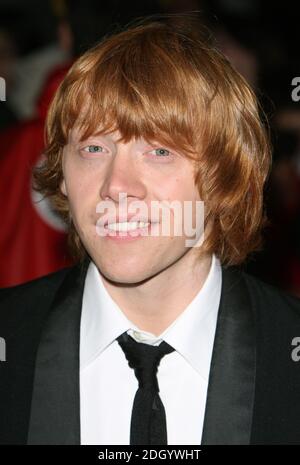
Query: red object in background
x=32, y=242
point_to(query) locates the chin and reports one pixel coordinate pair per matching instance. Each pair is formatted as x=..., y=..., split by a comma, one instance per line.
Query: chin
x=125, y=277
x=123, y=271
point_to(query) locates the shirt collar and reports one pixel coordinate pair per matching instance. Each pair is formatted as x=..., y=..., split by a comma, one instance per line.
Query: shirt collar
x=191, y=334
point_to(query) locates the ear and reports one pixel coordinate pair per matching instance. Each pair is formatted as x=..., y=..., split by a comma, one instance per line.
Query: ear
x=63, y=188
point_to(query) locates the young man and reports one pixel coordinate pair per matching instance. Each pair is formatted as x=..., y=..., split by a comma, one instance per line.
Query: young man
x=153, y=338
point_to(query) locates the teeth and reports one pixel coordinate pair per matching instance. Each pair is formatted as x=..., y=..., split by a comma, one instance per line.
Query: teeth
x=127, y=226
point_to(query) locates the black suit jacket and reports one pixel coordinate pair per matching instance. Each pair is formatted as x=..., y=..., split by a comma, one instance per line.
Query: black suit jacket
x=254, y=384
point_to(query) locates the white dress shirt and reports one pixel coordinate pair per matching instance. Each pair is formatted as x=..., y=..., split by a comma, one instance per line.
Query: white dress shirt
x=108, y=385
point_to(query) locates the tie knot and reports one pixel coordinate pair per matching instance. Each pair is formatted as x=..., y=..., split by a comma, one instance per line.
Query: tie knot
x=144, y=359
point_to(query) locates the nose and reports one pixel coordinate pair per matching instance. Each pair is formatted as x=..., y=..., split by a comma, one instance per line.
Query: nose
x=123, y=176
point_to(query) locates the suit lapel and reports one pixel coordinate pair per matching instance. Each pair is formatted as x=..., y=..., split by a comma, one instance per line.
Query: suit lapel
x=230, y=396
x=55, y=408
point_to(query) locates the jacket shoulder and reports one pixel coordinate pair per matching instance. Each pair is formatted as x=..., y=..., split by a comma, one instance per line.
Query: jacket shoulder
x=30, y=299
x=276, y=312
x=272, y=298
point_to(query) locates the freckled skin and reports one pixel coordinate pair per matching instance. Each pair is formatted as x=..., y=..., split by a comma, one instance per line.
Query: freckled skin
x=91, y=175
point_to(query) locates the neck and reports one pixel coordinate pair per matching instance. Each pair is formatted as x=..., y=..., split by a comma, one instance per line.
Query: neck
x=155, y=303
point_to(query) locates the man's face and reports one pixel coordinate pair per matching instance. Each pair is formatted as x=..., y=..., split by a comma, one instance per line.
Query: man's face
x=101, y=170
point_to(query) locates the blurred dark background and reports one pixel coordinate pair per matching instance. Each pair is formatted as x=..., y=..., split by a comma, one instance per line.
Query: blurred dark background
x=38, y=43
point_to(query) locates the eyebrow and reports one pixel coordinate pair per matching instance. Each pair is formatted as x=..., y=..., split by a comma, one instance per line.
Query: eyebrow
x=106, y=136
x=116, y=140
x=75, y=138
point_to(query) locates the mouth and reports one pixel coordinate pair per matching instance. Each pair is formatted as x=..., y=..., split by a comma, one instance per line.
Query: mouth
x=126, y=226
x=128, y=230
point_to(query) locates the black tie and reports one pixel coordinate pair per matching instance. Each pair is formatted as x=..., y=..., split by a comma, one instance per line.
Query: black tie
x=148, y=419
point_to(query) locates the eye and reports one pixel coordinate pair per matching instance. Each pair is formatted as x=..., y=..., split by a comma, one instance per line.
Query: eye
x=93, y=149
x=161, y=152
